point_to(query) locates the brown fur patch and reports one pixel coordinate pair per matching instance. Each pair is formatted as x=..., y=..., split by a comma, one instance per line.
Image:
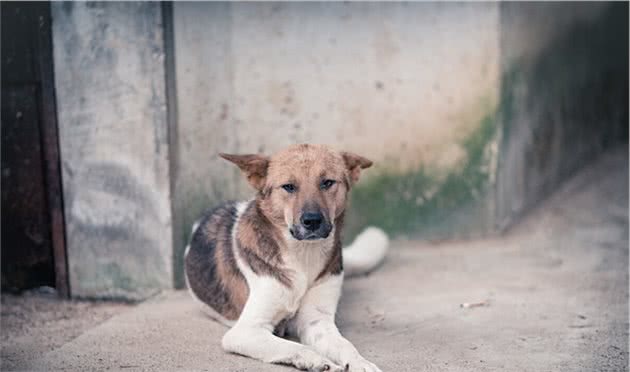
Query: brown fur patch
x=211, y=266
x=334, y=265
x=258, y=244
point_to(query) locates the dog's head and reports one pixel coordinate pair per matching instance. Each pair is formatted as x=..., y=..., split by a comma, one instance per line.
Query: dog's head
x=302, y=188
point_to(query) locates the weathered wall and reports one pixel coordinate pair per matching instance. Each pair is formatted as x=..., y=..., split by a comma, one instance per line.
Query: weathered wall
x=471, y=111
x=564, y=95
x=411, y=85
x=114, y=148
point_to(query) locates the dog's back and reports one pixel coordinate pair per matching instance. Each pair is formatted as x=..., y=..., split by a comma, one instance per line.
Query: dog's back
x=211, y=272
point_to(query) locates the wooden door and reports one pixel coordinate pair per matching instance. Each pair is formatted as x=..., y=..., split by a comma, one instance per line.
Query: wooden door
x=33, y=247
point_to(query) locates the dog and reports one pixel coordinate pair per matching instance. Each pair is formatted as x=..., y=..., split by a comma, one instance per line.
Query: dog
x=274, y=265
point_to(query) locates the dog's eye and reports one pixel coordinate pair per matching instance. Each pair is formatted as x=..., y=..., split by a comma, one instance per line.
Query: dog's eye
x=326, y=184
x=289, y=187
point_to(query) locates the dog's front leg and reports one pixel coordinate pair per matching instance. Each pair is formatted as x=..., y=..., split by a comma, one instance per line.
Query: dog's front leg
x=252, y=335
x=315, y=326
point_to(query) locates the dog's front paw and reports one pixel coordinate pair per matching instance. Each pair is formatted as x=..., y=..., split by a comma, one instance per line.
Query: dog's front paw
x=360, y=364
x=311, y=361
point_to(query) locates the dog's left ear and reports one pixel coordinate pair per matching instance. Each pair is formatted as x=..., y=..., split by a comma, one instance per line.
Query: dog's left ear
x=355, y=163
x=254, y=167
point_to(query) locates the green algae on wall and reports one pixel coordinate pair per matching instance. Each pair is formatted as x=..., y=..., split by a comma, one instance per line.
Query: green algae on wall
x=420, y=202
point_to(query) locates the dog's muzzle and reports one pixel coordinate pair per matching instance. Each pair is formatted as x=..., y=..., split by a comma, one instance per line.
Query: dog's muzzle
x=313, y=226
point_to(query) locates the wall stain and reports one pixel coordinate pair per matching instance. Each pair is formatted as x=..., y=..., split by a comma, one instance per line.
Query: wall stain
x=561, y=109
x=413, y=202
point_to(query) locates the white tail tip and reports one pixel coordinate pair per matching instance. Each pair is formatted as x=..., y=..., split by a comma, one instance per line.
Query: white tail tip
x=366, y=252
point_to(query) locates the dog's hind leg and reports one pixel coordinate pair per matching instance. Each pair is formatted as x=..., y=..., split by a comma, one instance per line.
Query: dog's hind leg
x=252, y=335
x=315, y=326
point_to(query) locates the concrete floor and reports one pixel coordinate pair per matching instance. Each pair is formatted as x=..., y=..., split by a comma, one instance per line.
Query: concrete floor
x=38, y=322
x=556, y=287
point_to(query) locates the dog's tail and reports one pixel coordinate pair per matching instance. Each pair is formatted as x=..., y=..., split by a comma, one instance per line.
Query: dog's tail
x=366, y=252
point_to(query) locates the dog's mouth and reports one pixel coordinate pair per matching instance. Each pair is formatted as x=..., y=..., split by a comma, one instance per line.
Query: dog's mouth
x=299, y=233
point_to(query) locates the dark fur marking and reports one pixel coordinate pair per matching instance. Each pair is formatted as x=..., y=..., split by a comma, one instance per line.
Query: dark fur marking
x=260, y=251
x=211, y=243
x=314, y=322
x=280, y=329
x=334, y=265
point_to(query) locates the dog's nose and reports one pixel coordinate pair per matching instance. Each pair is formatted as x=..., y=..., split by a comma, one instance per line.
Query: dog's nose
x=311, y=220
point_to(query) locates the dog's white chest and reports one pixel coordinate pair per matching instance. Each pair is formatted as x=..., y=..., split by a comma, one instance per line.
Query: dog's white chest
x=309, y=258
x=305, y=260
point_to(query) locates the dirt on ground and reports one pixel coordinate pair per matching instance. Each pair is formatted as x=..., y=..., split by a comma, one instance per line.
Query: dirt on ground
x=37, y=322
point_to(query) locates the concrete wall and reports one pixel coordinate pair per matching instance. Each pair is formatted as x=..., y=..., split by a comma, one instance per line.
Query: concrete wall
x=109, y=72
x=406, y=84
x=564, y=95
x=472, y=112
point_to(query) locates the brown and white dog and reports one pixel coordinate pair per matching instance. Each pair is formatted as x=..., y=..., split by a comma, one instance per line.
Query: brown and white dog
x=275, y=263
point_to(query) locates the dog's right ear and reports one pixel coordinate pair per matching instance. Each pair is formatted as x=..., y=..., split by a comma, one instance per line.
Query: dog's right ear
x=254, y=167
